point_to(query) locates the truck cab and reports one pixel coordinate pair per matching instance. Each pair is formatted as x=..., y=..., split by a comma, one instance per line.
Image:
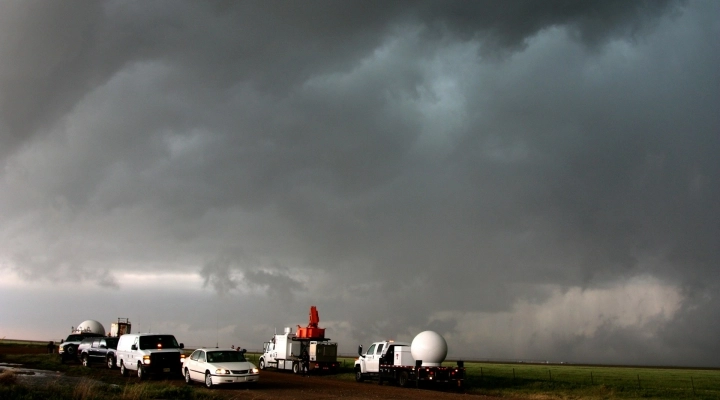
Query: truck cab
x=381, y=353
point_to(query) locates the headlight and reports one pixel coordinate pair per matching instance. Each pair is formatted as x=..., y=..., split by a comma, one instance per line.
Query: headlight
x=254, y=370
x=221, y=371
x=146, y=359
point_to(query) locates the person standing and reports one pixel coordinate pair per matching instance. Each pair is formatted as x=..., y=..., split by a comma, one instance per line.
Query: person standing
x=304, y=362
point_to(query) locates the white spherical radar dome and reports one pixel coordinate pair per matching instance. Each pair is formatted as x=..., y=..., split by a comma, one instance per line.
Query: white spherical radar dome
x=91, y=326
x=430, y=347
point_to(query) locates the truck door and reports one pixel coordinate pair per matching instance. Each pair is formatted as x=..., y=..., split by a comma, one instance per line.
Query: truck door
x=372, y=360
x=376, y=359
x=270, y=352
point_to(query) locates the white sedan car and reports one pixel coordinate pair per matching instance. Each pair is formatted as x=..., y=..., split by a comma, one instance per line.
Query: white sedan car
x=219, y=366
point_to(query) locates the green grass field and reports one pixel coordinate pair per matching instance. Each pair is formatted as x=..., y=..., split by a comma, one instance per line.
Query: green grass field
x=574, y=381
x=585, y=382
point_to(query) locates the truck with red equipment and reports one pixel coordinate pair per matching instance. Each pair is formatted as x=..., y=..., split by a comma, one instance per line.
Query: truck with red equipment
x=287, y=351
x=409, y=363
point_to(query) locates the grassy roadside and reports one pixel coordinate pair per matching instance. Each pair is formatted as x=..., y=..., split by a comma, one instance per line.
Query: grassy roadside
x=87, y=383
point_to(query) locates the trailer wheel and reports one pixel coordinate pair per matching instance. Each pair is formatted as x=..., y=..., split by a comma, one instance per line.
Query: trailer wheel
x=358, y=375
x=403, y=379
x=261, y=364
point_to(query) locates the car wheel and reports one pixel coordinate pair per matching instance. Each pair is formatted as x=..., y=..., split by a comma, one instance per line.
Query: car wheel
x=296, y=368
x=403, y=379
x=123, y=370
x=111, y=362
x=140, y=372
x=208, y=380
x=358, y=375
x=187, y=376
x=85, y=361
x=261, y=364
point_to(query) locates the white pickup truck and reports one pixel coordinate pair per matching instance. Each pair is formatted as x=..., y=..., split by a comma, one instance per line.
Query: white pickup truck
x=394, y=362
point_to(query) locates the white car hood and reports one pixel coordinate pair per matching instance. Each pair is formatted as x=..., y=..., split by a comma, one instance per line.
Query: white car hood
x=234, y=366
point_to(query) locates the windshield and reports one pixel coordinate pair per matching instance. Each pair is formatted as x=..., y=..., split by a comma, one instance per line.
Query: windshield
x=225, y=356
x=158, y=342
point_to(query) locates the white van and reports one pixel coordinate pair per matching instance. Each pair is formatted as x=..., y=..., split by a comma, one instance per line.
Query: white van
x=149, y=353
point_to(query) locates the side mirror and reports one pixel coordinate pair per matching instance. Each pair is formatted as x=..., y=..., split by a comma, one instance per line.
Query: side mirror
x=133, y=347
x=182, y=346
x=360, y=351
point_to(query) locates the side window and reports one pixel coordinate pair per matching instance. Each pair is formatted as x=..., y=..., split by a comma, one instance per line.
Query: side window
x=194, y=356
x=102, y=343
x=371, y=350
x=380, y=347
x=201, y=357
x=137, y=339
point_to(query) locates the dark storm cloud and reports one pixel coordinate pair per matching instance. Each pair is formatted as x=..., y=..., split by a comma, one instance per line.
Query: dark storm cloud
x=482, y=155
x=55, y=53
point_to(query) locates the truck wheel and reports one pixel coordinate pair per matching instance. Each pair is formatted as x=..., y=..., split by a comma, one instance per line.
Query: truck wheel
x=208, y=380
x=140, y=372
x=187, y=376
x=296, y=368
x=358, y=375
x=70, y=350
x=123, y=370
x=261, y=364
x=111, y=362
x=85, y=360
x=403, y=379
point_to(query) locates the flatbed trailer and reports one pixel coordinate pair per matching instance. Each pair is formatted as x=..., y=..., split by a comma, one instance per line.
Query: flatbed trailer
x=407, y=375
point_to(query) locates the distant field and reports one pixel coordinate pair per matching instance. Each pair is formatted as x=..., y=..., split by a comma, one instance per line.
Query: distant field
x=15, y=346
x=23, y=342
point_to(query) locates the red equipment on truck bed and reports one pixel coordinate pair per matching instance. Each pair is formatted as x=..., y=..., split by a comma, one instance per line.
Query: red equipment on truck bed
x=311, y=331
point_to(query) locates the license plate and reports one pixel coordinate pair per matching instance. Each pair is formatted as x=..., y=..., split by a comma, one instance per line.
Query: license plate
x=166, y=369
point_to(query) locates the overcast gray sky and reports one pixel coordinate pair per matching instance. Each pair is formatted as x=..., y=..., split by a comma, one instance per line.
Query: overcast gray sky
x=534, y=180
